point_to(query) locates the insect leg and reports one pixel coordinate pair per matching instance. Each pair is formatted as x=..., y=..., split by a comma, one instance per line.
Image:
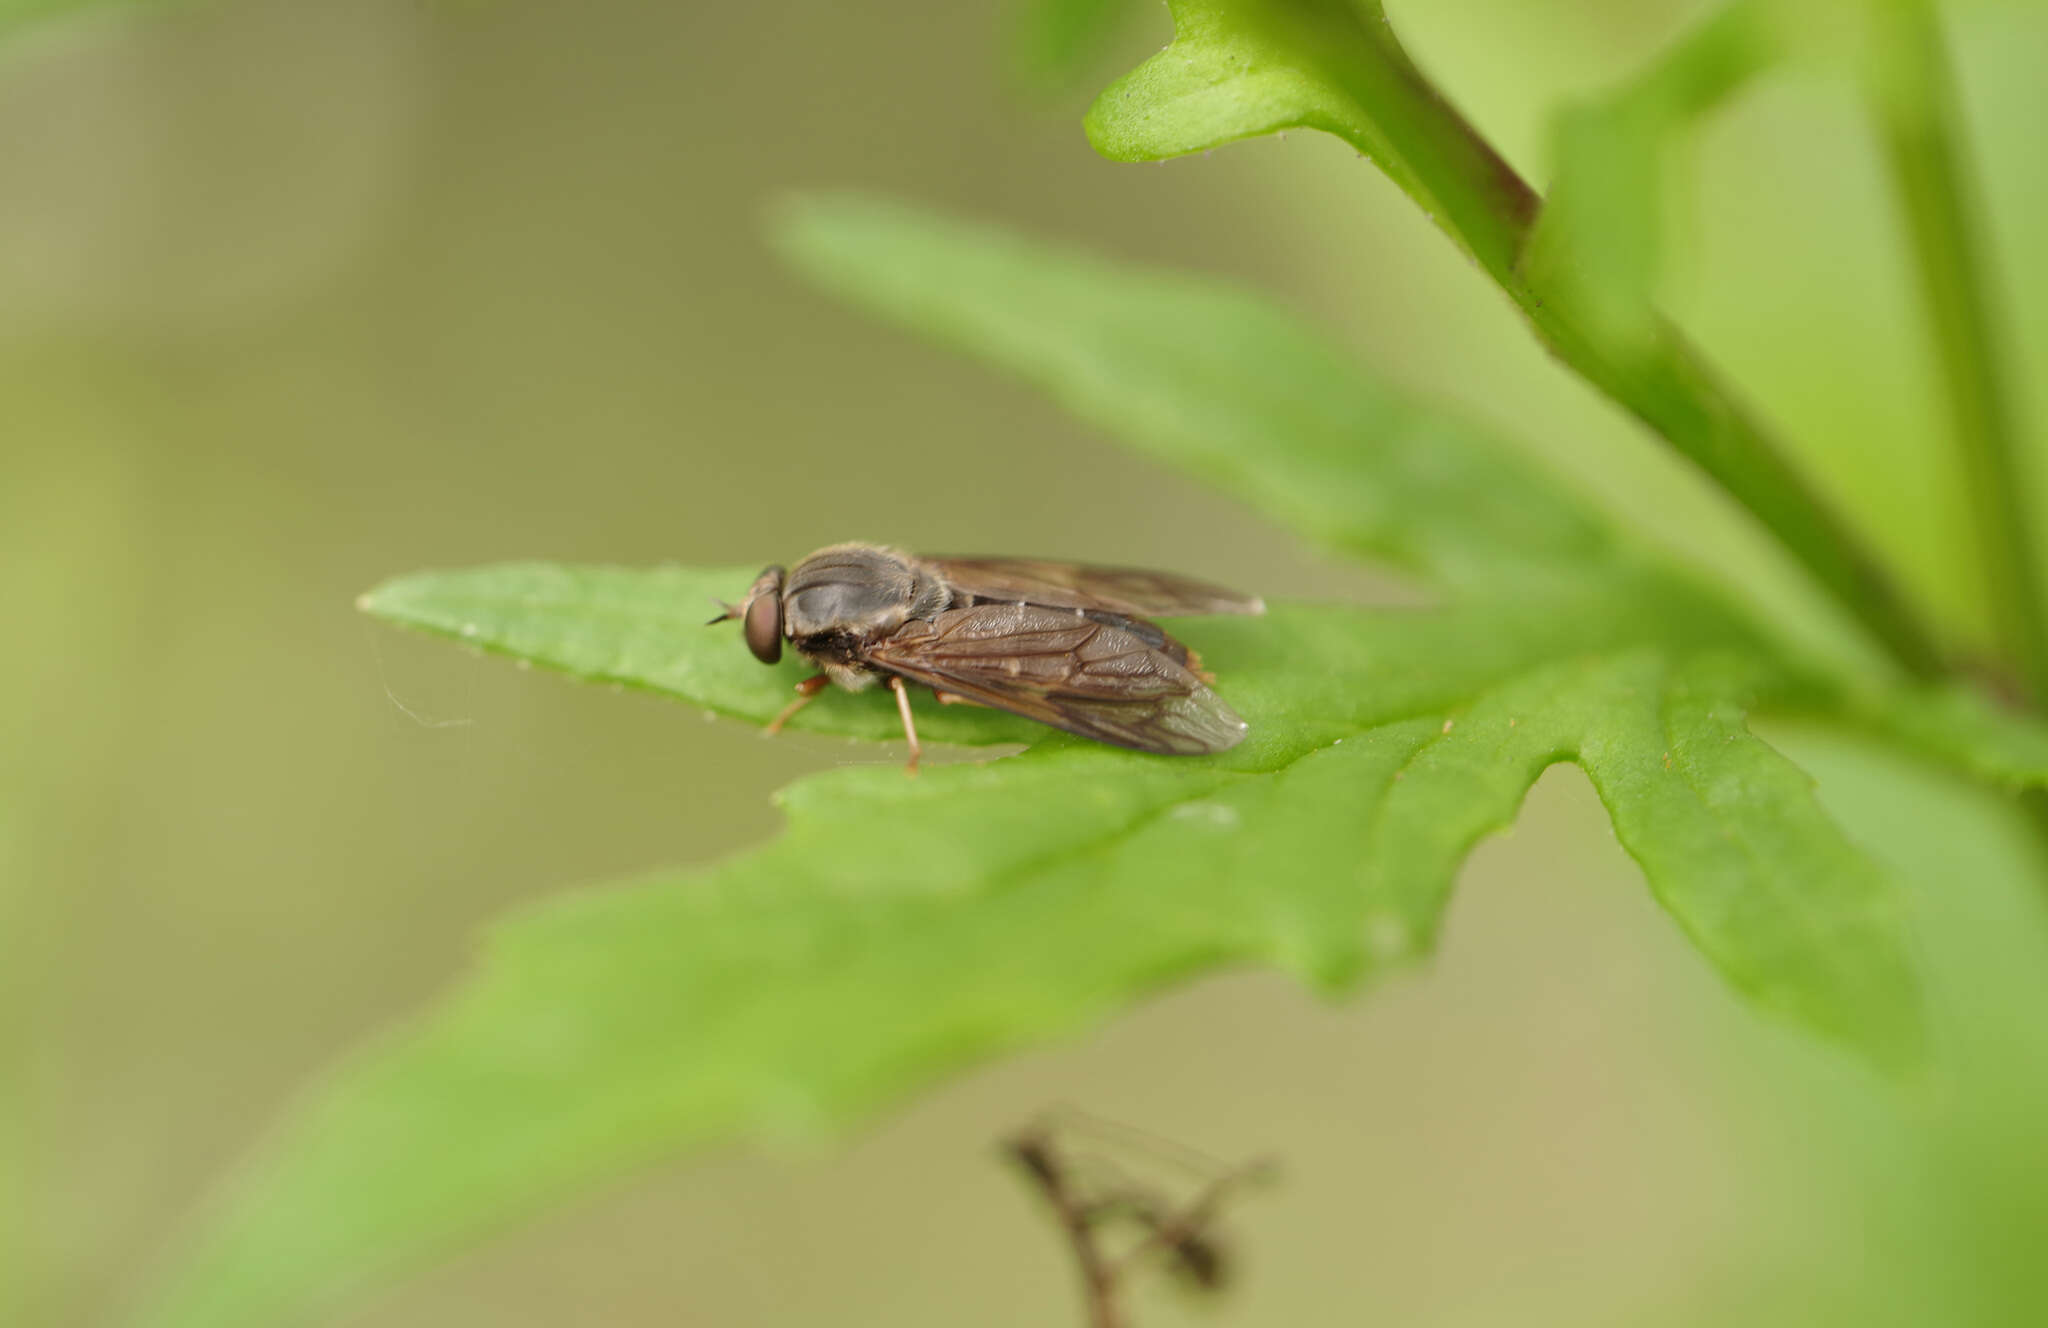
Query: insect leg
x=953, y=698
x=909, y=729
x=806, y=692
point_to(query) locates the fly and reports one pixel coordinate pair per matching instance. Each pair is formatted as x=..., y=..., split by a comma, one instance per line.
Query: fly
x=1064, y=644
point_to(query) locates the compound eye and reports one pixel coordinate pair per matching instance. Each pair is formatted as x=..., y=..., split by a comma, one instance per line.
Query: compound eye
x=763, y=625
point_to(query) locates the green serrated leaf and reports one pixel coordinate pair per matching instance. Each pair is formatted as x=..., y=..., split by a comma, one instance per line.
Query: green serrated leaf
x=1726, y=830
x=1737, y=849
x=903, y=927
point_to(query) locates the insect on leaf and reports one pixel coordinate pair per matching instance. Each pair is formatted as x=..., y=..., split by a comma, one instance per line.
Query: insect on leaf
x=901, y=929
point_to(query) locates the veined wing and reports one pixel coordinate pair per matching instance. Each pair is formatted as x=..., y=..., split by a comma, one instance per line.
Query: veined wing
x=1130, y=591
x=1091, y=674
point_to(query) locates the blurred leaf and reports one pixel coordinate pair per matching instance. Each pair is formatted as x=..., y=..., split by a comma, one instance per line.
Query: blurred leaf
x=902, y=928
x=1217, y=382
x=1959, y=727
x=1916, y=104
x=1595, y=244
x=1052, y=42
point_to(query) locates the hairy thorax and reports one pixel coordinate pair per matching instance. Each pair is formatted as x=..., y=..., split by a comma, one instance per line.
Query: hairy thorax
x=840, y=597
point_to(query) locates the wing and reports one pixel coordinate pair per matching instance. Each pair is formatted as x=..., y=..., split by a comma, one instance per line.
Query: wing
x=1086, y=672
x=1130, y=591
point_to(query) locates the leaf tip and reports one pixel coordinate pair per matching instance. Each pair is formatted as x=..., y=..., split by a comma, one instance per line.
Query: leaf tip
x=377, y=600
x=389, y=599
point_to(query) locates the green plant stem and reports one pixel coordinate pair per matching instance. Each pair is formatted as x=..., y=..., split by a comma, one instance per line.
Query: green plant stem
x=1915, y=102
x=1660, y=380
x=1670, y=389
x=1243, y=67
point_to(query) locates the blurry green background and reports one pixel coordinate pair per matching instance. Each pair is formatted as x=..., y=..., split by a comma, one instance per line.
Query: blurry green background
x=295, y=296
